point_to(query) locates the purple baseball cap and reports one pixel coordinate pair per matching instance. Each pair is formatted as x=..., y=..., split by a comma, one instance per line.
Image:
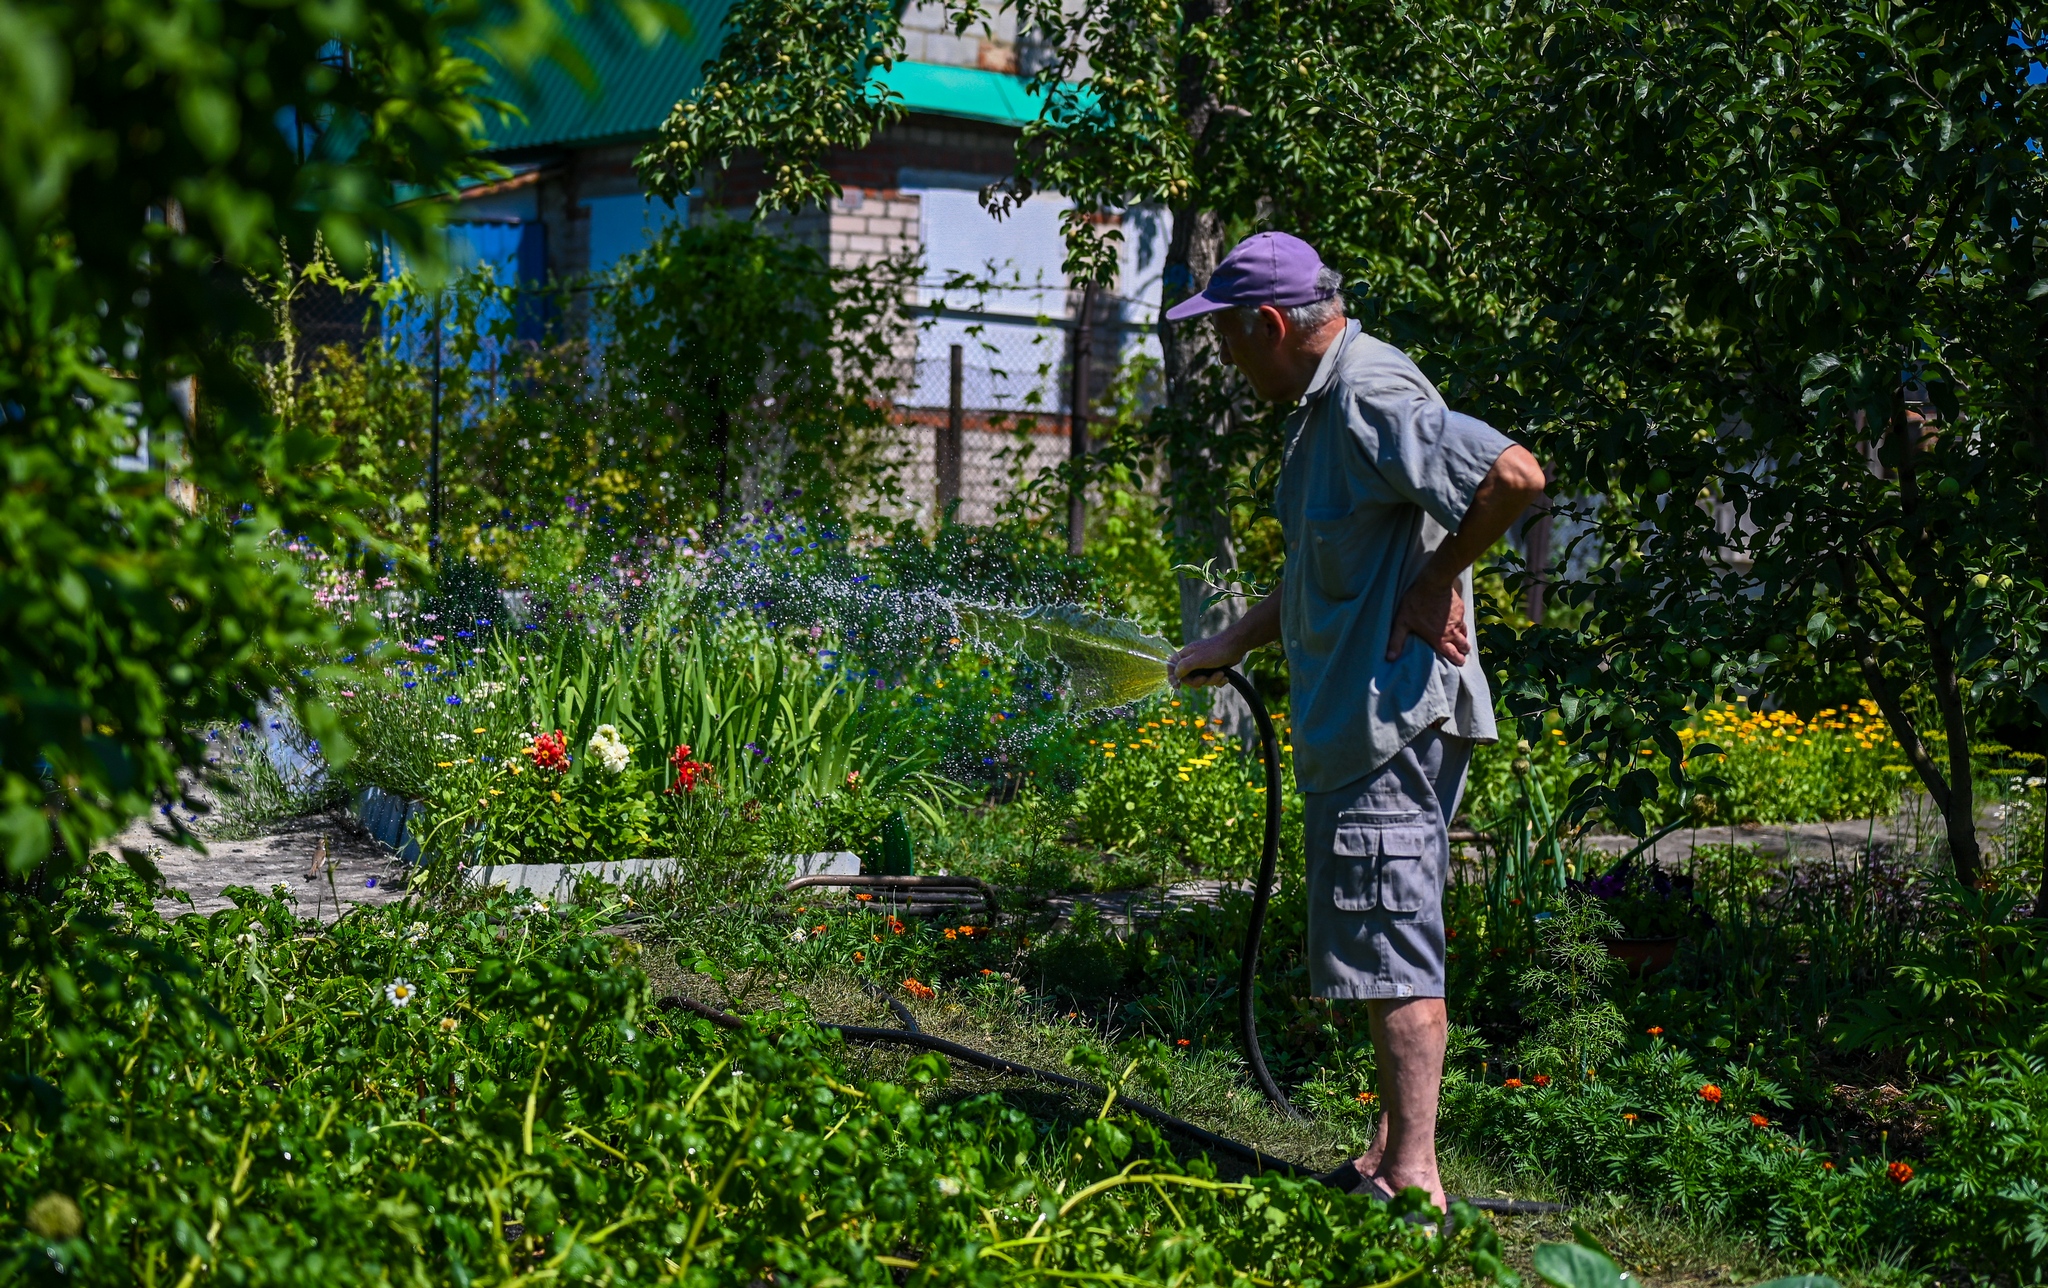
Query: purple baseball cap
x=1265, y=268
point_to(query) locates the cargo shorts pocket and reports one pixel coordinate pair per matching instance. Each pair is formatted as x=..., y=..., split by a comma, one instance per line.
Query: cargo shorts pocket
x=1380, y=861
x=1408, y=878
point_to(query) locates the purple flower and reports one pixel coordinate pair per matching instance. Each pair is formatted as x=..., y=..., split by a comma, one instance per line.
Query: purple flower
x=1608, y=885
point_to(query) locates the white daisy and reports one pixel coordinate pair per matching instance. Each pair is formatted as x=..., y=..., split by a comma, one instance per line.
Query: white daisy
x=400, y=992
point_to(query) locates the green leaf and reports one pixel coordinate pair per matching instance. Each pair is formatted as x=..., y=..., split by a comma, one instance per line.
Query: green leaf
x=1572, y=1265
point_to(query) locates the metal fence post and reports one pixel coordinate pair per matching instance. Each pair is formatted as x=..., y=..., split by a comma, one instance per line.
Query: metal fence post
x=1077, y=430
x=946, y=462
x=434, y=451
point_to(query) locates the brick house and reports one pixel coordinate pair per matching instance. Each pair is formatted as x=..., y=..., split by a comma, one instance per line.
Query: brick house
x=573, y=206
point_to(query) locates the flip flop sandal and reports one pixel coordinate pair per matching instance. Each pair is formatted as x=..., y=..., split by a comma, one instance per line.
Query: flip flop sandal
x=1380, y=1192
x=1345, y=1176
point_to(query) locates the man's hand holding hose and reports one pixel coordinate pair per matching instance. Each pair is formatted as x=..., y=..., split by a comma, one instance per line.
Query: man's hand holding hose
x=1226, y=648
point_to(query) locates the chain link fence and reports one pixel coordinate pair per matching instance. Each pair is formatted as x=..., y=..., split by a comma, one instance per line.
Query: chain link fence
x=986, y=415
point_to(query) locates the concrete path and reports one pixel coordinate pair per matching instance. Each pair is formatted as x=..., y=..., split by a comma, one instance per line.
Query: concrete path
x=359, y=871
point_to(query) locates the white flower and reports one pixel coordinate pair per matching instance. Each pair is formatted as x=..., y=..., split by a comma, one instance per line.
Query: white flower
x=416, y=931
x=799, y=935
x=400, y=992
x=948, y=1186
x=610, y=750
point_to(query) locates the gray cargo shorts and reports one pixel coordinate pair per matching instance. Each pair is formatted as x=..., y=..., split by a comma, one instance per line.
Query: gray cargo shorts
x=1379, y=851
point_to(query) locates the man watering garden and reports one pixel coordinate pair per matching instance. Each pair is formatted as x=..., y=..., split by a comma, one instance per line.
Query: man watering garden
x=1386, y=497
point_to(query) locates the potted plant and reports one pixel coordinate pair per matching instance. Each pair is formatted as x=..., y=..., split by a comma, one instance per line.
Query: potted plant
x=1654, y=908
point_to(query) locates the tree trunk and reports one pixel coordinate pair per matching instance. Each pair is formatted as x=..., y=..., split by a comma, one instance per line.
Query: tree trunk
x=2038, y=436
x=1201, y=522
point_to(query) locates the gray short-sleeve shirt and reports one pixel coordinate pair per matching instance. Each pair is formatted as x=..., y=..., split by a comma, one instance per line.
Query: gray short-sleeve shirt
x=1377, y=472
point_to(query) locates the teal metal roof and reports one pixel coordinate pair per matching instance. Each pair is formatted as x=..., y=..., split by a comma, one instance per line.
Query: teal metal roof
x=965, y=92
x=638, y=85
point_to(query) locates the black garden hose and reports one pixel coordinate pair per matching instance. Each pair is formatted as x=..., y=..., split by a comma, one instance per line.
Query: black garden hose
x=1262, y=893
x=1269, y=859
x=914, y=1037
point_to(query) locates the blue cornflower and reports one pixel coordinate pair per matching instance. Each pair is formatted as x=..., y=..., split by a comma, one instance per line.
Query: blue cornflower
x=453, y=700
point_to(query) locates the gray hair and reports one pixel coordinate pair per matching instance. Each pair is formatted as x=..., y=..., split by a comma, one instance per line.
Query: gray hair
x=1304, y=317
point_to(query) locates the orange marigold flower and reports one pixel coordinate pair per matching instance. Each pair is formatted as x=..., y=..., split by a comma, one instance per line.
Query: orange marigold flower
x=1180, y=1041
x=952, y=933
x=1366, y=1097
x=967, y=931
x=986, y=971
x=864, y=898
x=1628, y=1118
x=860, y=957
x=1512, y=1082
x=818, y=929
x=1827, y=1167
x=922, y=992
x=1711, y=1094
x=1758, y=1120
x=1899, y=1173
x=895, y=926
x=1656, y=1030
x=1542, y=1079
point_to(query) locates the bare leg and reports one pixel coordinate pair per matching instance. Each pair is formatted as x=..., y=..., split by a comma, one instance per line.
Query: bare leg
x=1408, y=1037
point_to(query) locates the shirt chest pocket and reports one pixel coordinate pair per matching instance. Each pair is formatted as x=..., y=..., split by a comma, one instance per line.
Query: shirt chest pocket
x=1383, y=862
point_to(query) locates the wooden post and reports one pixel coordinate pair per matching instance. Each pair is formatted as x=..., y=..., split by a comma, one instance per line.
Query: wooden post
x=947, y=456
x=1536, y=541
x=434, y=451
x=1077, y=429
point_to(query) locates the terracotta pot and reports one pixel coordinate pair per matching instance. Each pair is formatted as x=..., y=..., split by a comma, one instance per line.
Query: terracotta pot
x=1643, y=956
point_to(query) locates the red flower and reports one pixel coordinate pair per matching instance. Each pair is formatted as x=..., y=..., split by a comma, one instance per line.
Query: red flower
x=1899, y=1173
x=688, y=771
x=1180, y=1041
x=550, y=751
x=1512, y=1082
x=1656, y=1030
x=1542, y=1079
x=1366, y=1097
x=895, y=926
x=1758, y=1120
x=1711, y=1094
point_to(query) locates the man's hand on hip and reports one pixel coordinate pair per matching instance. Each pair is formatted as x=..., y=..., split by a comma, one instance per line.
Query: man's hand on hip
x=1436, y=614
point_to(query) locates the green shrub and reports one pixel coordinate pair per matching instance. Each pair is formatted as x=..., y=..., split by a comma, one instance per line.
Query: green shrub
x=1171, y=794
x=1976, y=982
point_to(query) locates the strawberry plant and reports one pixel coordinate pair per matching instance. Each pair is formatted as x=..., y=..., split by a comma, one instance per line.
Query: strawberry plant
x=496, y=1097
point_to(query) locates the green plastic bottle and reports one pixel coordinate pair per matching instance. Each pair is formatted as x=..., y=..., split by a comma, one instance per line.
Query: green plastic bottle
x=897, y=859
